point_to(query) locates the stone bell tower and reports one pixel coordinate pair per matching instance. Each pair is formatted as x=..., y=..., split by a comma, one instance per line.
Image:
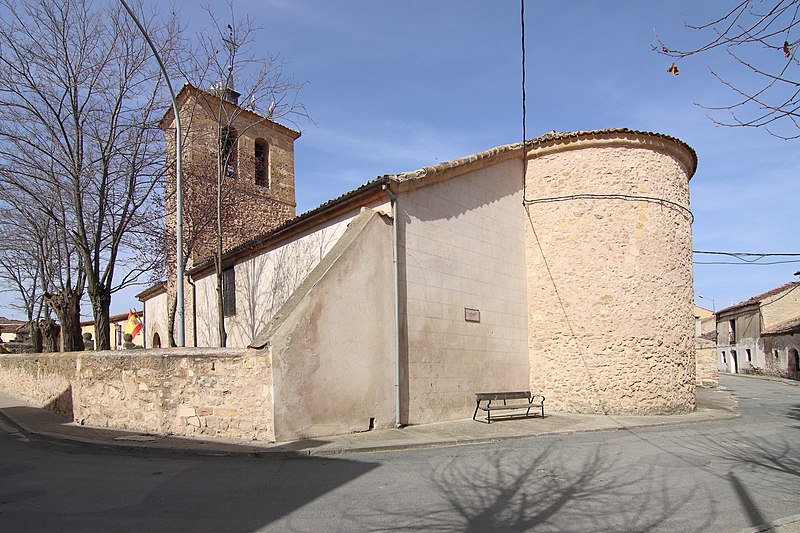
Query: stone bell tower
x=252, y=155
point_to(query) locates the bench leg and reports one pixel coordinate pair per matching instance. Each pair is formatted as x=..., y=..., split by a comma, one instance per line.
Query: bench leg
x=477, y=405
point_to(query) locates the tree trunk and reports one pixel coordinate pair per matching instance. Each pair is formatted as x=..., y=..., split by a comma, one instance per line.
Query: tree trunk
x=50, y=331
x=36, y=336
x=101, y=302
x=67, y=306
x=223, y=336
x=173, y=306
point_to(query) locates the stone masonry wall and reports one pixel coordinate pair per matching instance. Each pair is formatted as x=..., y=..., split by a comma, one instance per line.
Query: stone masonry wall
x=780, y=307
x=610, y=274
x=44, y=380
x=779, y=352
x=706, y=373
x=223, y=393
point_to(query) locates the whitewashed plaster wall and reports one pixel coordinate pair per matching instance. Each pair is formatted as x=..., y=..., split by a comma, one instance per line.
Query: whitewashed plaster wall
x=464, y=248
x=263, y=283
x=156, y=319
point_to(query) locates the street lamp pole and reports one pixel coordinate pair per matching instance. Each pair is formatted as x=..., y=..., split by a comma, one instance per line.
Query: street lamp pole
x=181, y=340
x=713, y=307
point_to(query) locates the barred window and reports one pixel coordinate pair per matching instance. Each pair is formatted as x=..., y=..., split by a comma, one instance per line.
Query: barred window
x=228, y=292
x=261, y=156
x=227, y=151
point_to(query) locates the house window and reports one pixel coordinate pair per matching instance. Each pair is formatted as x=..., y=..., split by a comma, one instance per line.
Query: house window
x=723, y=358
x=227, y=151
x=749, y=358
x=775, y=353
x=228, y=292
x=261, y=156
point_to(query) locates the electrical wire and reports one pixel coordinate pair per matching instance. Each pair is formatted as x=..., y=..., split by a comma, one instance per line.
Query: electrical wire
x=524, y=109
x=746, y=258
x=738, y=254
x=627, y=197
x=747, y=263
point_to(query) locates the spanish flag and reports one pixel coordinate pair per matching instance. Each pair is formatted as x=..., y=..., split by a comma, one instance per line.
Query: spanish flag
x=132, y=325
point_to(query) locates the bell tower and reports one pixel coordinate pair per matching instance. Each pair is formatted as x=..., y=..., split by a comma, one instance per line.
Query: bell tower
x=233, y=156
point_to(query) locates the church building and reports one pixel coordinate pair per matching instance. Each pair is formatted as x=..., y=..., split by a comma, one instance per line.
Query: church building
x=561, y=265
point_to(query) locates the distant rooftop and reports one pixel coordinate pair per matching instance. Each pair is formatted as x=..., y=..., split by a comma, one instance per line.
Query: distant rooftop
x=763, y=296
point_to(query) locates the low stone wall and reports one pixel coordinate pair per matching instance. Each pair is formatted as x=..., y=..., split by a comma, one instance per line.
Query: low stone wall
x=44, y=380
x=221, y=393
x=706, y=372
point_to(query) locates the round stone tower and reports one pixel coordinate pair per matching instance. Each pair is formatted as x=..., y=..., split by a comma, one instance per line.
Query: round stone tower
x=609, y=255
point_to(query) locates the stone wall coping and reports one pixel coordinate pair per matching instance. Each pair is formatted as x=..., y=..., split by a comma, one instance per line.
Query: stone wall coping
x=165, y=353
x=619, y=137
x=551, y=142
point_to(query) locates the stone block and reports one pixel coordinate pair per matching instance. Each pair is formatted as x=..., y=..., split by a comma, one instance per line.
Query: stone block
x=185, y=411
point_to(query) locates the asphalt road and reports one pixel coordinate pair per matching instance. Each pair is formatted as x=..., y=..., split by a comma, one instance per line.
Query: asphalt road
x=718, y=476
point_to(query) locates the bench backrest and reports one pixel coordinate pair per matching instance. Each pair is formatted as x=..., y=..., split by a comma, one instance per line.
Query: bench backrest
x=503, y=395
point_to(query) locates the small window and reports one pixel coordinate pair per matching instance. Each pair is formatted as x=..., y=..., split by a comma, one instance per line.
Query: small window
x=749, y=358
x=775, y=353
x=723, y=357
x=228, y=292
x=156, y=340
x=227, y=151
x=261, y=156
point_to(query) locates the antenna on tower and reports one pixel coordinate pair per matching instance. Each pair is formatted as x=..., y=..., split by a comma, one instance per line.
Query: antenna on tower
x=230, y=94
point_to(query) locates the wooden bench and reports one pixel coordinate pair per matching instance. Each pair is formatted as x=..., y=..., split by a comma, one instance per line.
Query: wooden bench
x=532, y=401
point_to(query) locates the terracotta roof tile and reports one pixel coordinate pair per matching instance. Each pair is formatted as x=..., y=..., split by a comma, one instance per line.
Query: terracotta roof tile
x=553, y=136
x=758, y=298
x=790, y=326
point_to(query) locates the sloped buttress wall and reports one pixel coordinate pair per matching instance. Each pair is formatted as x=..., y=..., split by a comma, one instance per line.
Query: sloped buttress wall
x=331, y=344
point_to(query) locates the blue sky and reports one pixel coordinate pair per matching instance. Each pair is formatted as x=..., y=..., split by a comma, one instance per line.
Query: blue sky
x=394, y=86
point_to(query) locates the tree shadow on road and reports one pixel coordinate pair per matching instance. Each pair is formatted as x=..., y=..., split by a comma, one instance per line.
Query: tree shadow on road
x=544, y=491
x=755, y=468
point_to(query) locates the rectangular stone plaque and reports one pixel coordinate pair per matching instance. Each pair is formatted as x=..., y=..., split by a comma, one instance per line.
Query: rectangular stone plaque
x=472, y=315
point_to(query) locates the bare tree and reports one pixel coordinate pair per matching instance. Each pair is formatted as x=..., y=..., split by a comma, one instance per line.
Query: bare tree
x=40, y=264
x=760, y=39
x=224, y=53
x=80, y=99
x=22, y=271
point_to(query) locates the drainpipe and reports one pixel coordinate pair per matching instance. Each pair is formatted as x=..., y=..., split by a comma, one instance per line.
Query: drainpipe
x=194, y=310
x=395, y=256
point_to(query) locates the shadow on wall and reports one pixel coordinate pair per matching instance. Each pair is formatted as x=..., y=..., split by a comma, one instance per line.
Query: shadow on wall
x=268, y=281
x=62, y=404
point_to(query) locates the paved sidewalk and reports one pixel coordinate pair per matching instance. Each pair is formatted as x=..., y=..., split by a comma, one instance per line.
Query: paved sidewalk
x=712, y=404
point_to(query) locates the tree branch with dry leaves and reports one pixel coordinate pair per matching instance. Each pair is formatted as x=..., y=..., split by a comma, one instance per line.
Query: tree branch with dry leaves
x=754, y=49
